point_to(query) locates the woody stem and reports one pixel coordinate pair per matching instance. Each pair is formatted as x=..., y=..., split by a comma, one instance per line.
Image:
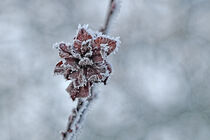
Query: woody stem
x=111, y=10
x=77, y=116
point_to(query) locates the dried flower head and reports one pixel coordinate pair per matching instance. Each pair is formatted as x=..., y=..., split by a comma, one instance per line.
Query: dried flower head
x=85, y=60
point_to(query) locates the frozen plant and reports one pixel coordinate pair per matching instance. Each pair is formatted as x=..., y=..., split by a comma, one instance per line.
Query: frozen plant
x=84, y=63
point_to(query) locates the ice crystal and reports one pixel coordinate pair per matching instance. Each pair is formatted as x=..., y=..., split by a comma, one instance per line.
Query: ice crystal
x=84, y=61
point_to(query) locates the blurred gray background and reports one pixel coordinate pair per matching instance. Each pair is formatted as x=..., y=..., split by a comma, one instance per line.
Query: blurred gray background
x=159, y=89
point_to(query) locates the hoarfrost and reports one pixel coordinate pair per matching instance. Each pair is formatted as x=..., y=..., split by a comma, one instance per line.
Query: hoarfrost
x=84, y=61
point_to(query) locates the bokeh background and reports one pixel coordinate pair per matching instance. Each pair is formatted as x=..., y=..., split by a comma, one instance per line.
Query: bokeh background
x=159, y=89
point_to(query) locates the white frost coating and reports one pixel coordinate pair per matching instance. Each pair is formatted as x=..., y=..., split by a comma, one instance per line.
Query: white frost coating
x=57, y=44
x=82, y=80
x=117, y=39
x=85, y=57
x=85, y=61
x=96, y=34
x=105, y=46
x=72, y=68
x=89, y=53
x=85, y=42
x=79, y=117
x=93, y=78
x=104, y=50
x=85, y=26
x=75, y=54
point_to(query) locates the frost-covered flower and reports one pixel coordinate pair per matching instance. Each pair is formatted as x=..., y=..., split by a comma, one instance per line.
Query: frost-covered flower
x=84, y=61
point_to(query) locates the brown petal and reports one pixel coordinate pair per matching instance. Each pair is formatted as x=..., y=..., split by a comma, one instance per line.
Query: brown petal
x=102, y=40
x=73, y=75
x=71, y=61
x=66, y=74
x=85, y=48
x=92, y=74
x=72, y=91
x=59, y=69
x=83, y=35
x=97, y=51
x=77, y=45
x=97, y=59
x=64, y=47
x=78, y=93
x=97, y=56
x=64, y=51
x=84, y=91
x=78, y=78
x=70, y=66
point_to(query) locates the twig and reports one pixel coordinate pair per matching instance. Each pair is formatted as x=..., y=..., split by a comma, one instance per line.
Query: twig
x=111, y=11
x=77, y=116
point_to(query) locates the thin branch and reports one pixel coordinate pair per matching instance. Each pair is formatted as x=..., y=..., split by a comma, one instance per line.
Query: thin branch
x=112, y=9
x=77, y=116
